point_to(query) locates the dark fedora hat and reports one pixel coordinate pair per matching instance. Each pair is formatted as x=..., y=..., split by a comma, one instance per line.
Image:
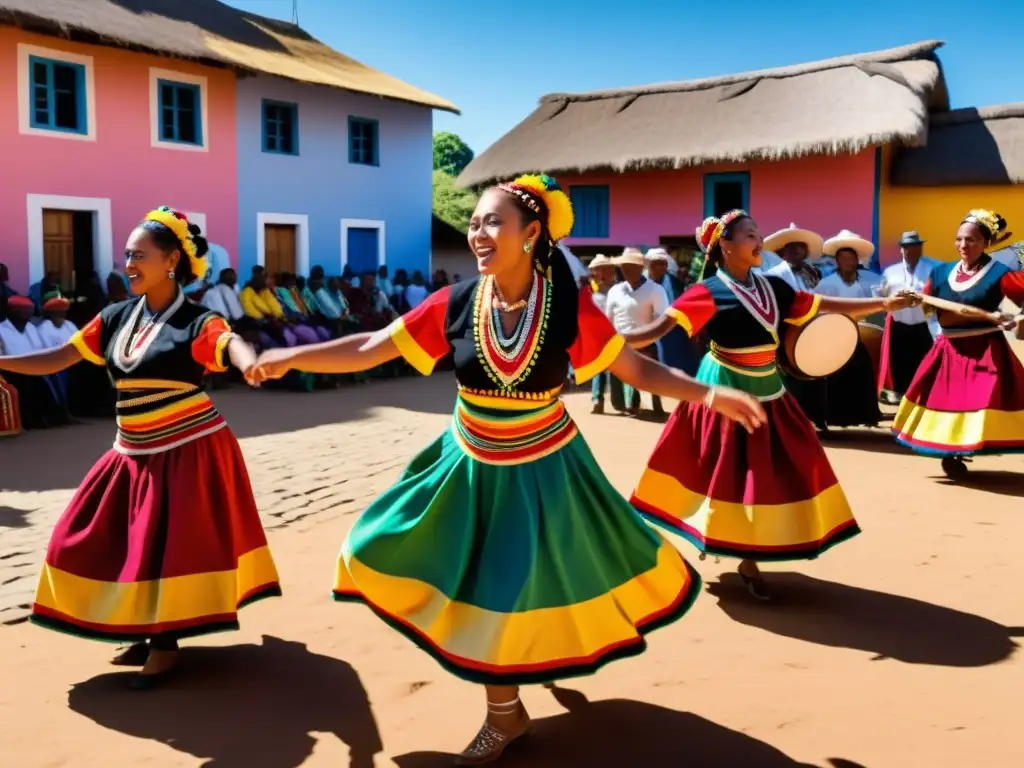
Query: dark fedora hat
x=911, y=238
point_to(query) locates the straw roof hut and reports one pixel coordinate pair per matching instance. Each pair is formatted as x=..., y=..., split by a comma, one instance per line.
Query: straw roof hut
x=834, y=106
x=213, y=33
x=967, y=146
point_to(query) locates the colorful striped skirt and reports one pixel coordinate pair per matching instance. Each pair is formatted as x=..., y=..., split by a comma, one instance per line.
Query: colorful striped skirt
x=162, y=537
x=505, y=553
x=770, y=495
x=967, y=399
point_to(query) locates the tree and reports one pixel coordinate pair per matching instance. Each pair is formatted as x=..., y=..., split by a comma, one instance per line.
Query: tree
x=451, y=154
x=451, y=203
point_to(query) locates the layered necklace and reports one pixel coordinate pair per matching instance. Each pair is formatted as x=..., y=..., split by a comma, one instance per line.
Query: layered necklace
x=757, y=298
x=140, y=332
x=508, y=360
x=961, y=278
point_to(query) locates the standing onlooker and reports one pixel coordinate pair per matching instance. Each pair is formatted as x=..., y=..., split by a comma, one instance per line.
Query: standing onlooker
x=798, y=249
x=602, y=278
x=416, y=292
x=677, y=349
x=635, y=302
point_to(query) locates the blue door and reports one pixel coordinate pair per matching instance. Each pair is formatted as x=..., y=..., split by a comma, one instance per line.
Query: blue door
x=362, y=250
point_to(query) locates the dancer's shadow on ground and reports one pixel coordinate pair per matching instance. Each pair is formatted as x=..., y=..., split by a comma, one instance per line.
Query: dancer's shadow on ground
x=890, y=626
x=878, y=440
x=242, y=706
x=1000, y=481
x=12, y=517
x=620, y=732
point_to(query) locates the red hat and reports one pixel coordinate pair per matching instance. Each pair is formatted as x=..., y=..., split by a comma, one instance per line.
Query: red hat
x=21, y=302
x=56, y=303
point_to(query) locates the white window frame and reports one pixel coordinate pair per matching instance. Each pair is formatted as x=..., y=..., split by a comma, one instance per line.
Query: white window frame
x=155, y=76
x=197, y=218
x=379, y=225
x=102, y=231
x=25, y=52
x=301, y=223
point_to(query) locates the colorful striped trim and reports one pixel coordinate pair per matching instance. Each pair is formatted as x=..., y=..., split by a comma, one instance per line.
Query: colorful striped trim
x=755, y=531
x=681, y=320
x=410, y=349
x=752, y=361
x=495, y=438
x=952, y=433
x=180, y=605
x=763, y=383
x=809, y=315
x=220, y=354
x=536, y=646
x=508, y=401
x=159, y=429
x=608, y=355
x=78, y=342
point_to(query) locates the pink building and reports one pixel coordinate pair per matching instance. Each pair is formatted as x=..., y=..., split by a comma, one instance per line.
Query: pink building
x=93, y=137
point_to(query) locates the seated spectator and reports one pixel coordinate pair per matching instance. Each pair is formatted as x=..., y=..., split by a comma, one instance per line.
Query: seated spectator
x=259, y=304
x=416, y=292
x=398, y=298
x=41, y=399
x=223, y=299
x=440, y=280
x=298, y=314
x=48, y=285
x=348, y=276
x=6, y=292
x=55, y=331
x=384, y=283
x=378, y=309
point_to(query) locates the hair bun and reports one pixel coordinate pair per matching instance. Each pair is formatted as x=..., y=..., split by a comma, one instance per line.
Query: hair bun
x=202, y=246
x=195, y=229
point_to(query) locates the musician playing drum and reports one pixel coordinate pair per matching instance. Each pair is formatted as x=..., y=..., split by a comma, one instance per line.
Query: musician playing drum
x=770, y=495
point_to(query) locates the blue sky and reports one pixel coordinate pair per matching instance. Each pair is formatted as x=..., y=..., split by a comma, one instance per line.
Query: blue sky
x=495, y=59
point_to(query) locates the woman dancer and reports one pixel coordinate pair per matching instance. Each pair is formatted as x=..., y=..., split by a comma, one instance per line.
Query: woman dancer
x=967, y=398
x=162, y=540
x=770, y=495
x=503, y=551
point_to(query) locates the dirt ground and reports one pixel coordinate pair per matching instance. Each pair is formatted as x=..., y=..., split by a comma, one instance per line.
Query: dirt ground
x=895, y=649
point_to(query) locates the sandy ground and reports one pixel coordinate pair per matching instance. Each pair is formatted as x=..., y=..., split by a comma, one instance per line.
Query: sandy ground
x=896, y=649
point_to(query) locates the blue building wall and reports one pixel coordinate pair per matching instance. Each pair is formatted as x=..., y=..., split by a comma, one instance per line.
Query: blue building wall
x=321, y=182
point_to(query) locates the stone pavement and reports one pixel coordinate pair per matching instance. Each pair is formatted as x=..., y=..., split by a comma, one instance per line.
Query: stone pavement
x=311, y=457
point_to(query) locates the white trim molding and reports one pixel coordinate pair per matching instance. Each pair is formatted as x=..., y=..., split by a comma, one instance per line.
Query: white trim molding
x=26, y=51
x=380, y=226
x=155, y=76
x=301, y=223
x=102, y=231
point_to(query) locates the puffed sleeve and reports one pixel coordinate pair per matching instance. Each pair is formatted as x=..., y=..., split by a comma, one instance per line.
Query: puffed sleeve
x=89, y=341
x=597, y=344
x=421, y=335
x=1012, y=284
x=796, y=307
x=693, y=309
x=210, y=343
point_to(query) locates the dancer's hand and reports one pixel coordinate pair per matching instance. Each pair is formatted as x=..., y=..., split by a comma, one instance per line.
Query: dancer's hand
x=272, y=364
x=1008, y=321
x=902, y=300
x=738, y=406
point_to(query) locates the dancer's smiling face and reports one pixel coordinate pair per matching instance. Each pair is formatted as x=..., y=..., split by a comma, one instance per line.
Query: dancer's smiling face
x=741, y=244
x=498, y=234
x=970, y=242
x=147, y=263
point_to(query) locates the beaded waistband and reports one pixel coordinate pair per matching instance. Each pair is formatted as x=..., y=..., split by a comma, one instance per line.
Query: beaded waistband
x=508, y=400
x=169, y=415
x=497, y=437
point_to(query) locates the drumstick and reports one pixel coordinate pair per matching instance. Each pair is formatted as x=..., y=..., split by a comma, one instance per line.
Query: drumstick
x=960, y=309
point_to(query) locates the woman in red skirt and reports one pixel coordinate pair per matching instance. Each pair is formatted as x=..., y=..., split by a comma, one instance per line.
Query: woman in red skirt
x=162, y=540
x=766, y=496
x=967, y=398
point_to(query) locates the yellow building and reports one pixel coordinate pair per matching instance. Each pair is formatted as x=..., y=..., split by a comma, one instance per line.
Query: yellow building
x=973, y=158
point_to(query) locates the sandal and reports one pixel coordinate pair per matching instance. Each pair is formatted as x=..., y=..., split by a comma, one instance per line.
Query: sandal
x=489, y=743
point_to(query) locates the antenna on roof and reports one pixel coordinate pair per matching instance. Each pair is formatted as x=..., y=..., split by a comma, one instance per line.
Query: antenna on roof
x=295, y=12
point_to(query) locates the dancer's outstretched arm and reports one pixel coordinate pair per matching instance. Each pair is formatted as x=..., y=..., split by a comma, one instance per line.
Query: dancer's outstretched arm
x=44, y=363
x=350, y=354
x=648, y=375
x=646, y=335
x=856, y=308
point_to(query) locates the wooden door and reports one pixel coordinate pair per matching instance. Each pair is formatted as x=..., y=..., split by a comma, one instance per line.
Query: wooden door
x=279, y=248
x=59, y=245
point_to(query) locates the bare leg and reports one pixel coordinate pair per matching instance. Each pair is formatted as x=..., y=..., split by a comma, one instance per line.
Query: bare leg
x=751, y=577
x=507, y=721
x=163, y=657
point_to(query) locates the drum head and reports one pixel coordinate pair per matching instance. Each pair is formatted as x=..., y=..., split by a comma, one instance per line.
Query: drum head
x=826, y=345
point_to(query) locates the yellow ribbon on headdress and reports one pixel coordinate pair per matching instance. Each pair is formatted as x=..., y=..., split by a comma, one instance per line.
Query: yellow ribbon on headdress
x=180, y=228
x=991, y=221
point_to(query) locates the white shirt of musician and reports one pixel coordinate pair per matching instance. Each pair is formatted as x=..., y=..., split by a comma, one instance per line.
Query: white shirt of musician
x=17, y=342
x=223, y=300
x=900, y=277
x=864, y=286
x=628, y=309
x=785, y=272
x=53, y=336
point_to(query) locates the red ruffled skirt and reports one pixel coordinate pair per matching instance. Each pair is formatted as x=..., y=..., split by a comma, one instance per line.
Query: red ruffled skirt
x=169, y=543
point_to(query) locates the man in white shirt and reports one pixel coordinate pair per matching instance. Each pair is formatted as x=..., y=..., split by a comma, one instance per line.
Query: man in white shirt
x=797, y=247
x=635, y=302
x=909, y=333
x=41, y=397
x=602, y=278
x=416, y=292
x=56, y=330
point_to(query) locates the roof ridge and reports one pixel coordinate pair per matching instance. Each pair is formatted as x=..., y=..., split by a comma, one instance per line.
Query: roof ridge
x=888, y=55
x=962, y=115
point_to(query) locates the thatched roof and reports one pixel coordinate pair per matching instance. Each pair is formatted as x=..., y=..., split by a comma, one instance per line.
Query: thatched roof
x=837, y=105
x=967, y=146
x=214, y=33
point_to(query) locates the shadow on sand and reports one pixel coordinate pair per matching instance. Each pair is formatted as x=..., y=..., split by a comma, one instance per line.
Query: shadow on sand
x=999, y=481
x=242, y=706
x=889, y=626
x=620, y=732
x=11, y=517
x=879, y=440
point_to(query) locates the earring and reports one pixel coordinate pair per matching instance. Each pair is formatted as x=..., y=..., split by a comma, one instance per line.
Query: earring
x=527, y=247
x=170, y=274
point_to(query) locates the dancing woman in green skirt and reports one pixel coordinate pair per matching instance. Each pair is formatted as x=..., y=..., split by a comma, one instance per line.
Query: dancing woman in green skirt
x=503, y=551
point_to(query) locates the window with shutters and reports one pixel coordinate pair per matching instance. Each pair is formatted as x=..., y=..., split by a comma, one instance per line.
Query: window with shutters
x=590, y=205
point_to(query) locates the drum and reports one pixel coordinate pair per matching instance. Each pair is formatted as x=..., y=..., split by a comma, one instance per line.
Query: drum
x=871, y=329
x=820, y=347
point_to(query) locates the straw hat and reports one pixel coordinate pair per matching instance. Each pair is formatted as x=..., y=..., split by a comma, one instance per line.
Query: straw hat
x=847, y=239
x=793, y=234
x=599, y=261
x=657, y=254
x=630, y=256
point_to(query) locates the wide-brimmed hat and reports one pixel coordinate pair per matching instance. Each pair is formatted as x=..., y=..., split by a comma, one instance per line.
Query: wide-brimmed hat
x=630, y=256
x=847, y=239
x=657, y=254
x=794, y=234
x=911, y=238
x=599, y=261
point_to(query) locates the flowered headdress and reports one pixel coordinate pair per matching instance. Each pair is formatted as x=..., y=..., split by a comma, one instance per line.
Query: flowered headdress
x=991, y=224
x=708, y=234
x=178, y=224
x=542, y=195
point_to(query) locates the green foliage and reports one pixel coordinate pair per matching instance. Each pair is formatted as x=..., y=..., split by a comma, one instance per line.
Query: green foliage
x=451, y=203
x=451, y=154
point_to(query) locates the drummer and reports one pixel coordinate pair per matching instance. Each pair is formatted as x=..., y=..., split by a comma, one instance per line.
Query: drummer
x=908, y=336
x=847, y=398
x=797, y=247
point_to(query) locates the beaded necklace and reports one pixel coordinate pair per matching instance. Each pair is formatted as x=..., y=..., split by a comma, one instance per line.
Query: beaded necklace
x=508, y=360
